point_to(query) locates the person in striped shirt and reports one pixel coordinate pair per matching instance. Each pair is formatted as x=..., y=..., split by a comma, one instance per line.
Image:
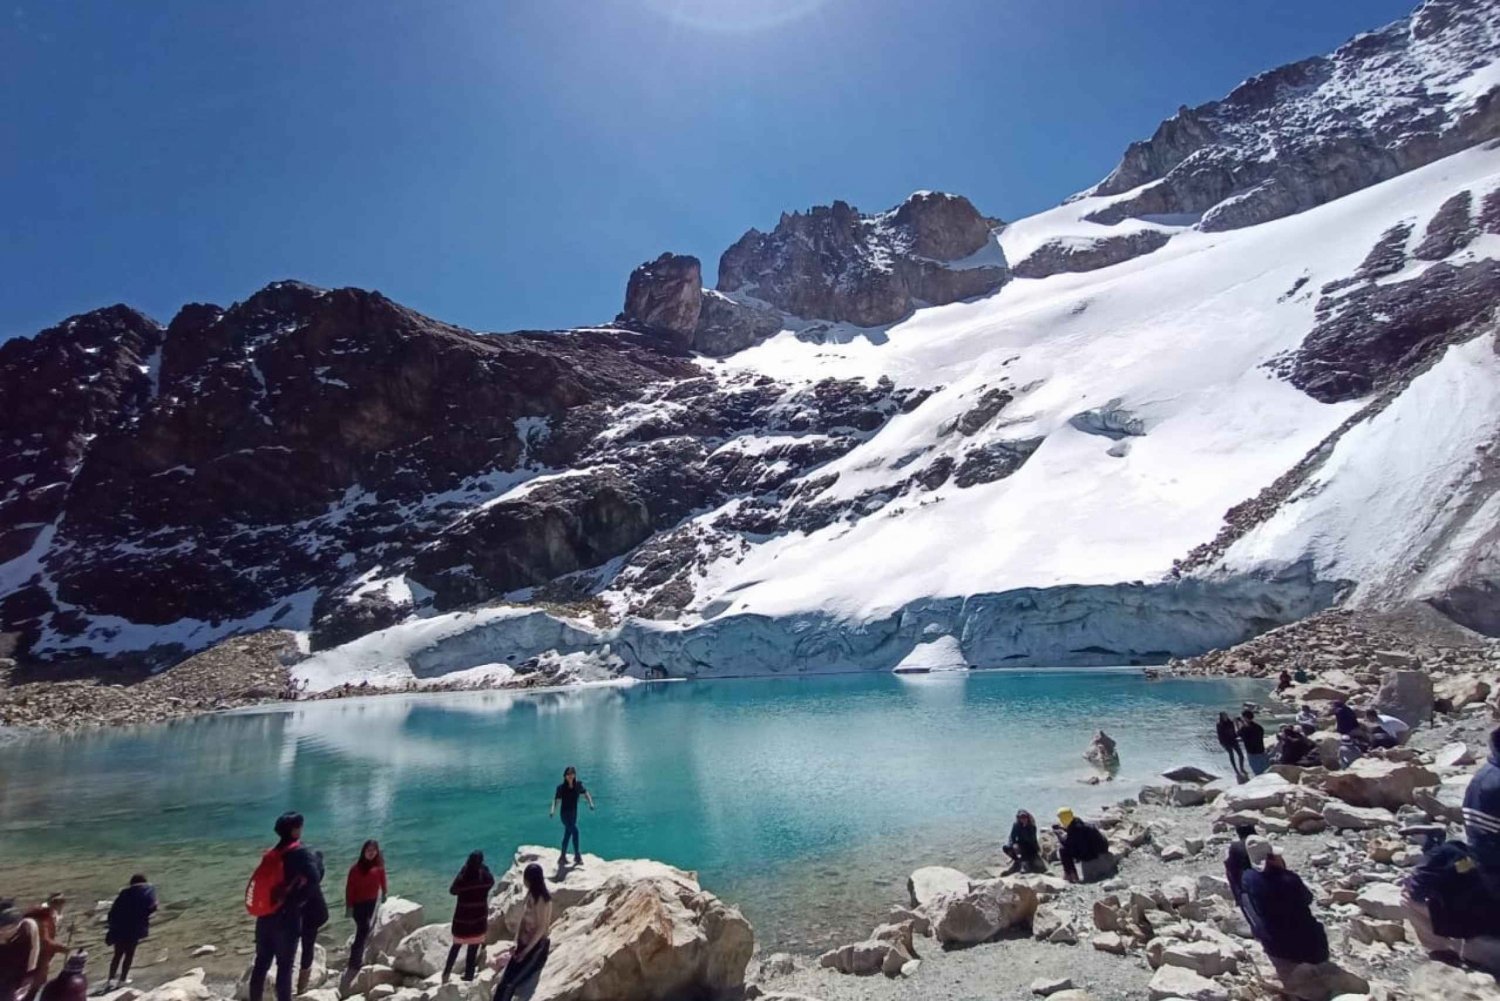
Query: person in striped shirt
x=1482, y=818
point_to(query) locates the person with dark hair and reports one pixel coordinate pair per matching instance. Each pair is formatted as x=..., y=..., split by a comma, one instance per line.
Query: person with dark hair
x=1253, y=736
x=364, y=888
x=20, y=951
x=314, y=917
x=1278, y=906
x=566, y=796
x=1385, y=731
x=1082, y=849
x=278, y=931
x=471, y=913
x=532, y=944
x=129, y=923
x=1229, y=739
x=1285, y=681
x=1023, y=848
x=46, y=917
x=1293, y=747
x=1344, y=719
x=1237, y=860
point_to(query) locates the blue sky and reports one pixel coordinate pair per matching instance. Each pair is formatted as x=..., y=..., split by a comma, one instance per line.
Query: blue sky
x=503, y=164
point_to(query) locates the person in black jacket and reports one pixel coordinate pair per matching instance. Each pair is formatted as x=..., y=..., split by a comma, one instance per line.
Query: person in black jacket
x=1278, y=906
x=1229, y=739
x=1083, y=849
x=314, y=917
x=1023, y=849
x=129, y=922
x=1237, y=861
x=277, y=935
x=1482, y=818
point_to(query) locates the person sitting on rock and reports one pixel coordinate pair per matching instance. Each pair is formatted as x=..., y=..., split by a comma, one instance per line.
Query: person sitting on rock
x=1307, y=718
x=1448, y=904
x=20, y=951
x=1285, y=681
x=1024, y=850
x=1083, y=849
x=1278, y=906
x=128, y=923
x=1229, y=740
x=1293, y=748
x=1385, y=731
x=1482, y=818
x=532, y=942
x=1344, y=719
x=471, y=913
x=1253, y=736
x=1237, y=860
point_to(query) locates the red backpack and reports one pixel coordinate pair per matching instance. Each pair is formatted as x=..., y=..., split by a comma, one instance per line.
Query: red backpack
x=264, y=892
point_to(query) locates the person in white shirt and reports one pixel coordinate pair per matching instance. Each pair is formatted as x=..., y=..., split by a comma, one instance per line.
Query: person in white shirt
x=1395, y=729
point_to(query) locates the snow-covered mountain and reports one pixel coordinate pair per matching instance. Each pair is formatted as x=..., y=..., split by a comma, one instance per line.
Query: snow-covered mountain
x=1251, y=373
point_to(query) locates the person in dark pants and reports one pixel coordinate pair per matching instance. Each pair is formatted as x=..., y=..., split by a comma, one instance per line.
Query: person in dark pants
x=1278, y=906
x=566, y=796
x=1253, y=736
x=1344, y=719
x=278, y=934
x=314, y=917
x=1083, y=849
x=129, y=922
x=1237, y=860
x=363, y=891
x=532, y=943
x=1023, y=849
x=1229, y=739
x=471, y=913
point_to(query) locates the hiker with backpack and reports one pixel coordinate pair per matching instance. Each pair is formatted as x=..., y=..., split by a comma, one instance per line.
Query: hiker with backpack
x=471, y=913
x=278, y=896
x=129, y=922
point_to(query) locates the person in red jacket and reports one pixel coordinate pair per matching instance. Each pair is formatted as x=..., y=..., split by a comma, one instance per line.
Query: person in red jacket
x=363, y=891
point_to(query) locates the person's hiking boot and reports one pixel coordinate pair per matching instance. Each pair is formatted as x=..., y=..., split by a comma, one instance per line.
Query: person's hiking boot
x=304, y=977
x=562, y=861
x=578, y=860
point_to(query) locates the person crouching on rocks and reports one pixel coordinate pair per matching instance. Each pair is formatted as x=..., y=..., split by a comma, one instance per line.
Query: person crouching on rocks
x=364, y=888
x=128, y=923
x=471, y=913
x=1293, y=748
x=1278, y=906
x=1024, y=850
x=1083, y=849
x=1229, y=739
x=532, y=943
x=277, y=896
x=566, y=797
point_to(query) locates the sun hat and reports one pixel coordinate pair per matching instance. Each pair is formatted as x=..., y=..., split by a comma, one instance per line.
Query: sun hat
x=1065, y=816
x=1260, y=850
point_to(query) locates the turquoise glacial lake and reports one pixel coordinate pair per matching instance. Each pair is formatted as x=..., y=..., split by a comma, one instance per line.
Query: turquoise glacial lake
x=806, y=801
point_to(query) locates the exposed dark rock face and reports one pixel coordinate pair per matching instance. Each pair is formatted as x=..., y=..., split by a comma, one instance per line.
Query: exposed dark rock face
x=726, y=326
x=1387, y=257
x=340, y=616
x=1450, y=230
x=833, y=263
x=1059, y=256
x=664, y=297
x=1379, y=332
x=976, y=417
x=994, y=461
x=1311, y=131
x=59, y=391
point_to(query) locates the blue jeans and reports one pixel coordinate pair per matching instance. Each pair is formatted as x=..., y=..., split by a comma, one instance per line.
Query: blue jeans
x=570, y=830
x=1258, y=762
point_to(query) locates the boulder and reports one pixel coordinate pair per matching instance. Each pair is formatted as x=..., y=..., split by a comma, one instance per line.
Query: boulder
x=1453, y=755
x=1171, y=982
x=647, y=938
x=1102, y=752
x=1369, y=931
x=1208, y=959
x=1263, y=791
x=888, y=949
x=1048, y=986
x=987, y=909
x=1343, y=817
x=1454, y=694
x=1407, y=695
x=1190, y=773
x=664, y=297
x=424, y=951
x=1443, y=803
x=396, y=919
x=931, y=881
x=1375, y=782
x=1111, y=942
x=188, y=987
x=1380, y=900
x=578, y=883
x=370, y=977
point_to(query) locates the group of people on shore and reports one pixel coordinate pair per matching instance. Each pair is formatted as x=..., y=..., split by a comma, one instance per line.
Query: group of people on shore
x=285, y=896
x=1244, y=739
x=1082, y=849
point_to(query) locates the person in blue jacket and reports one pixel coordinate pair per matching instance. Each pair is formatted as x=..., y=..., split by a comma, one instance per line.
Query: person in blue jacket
x=1482, y=818
x=128, y=923
x=1278, y=906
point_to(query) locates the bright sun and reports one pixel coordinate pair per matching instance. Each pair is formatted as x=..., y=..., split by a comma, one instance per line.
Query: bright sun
x=735, y=15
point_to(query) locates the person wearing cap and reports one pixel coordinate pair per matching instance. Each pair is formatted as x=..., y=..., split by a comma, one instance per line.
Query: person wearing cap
x=278, y=935
x=1024, y=850
x=20, y=951
x=1278, y=906
x=1082, y=849
x=46, y=917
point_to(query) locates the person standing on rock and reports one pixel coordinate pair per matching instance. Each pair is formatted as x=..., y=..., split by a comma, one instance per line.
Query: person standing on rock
x=277, y=896
x=532, y=943
x=471, y=913
x=47, y=918
x=20, y=951
x=129, y=923
x=314, y=917
x=1229, y=740
x=1278, y=906
x=1253, y=736
x=566, y=797
x=364, y=888
x=1023, y=848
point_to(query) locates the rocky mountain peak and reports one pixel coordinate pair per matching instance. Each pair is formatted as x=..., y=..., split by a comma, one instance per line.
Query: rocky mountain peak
x=1302, y=134
x=834, y=263
x=665, y=297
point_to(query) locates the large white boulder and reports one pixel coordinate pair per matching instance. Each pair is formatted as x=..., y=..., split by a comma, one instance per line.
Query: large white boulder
x=576, y=884
x=1178, y=982
x=188, y=987
x=1407, y=695
x=1376, y=782
x=1381, y=900
x=1263, y=791
x=647, y=939
x=1444, y=802
x=1342, y=817
x=988, y=908
x=424, y=951
x=396, y=919
x=931, y=881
